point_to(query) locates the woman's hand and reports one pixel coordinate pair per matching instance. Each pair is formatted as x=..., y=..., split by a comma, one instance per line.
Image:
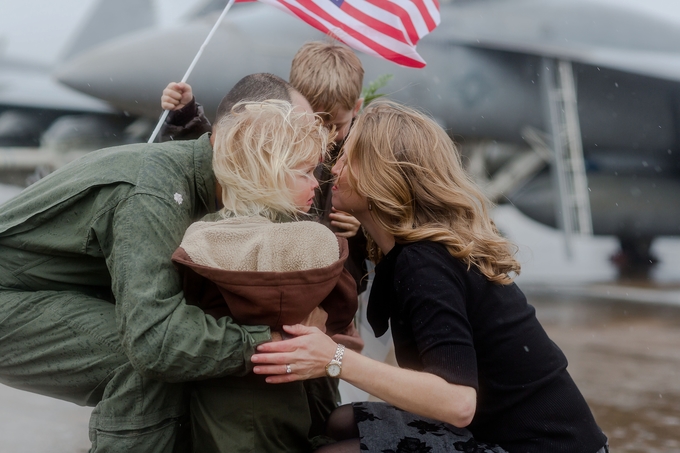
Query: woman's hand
x=307, y=355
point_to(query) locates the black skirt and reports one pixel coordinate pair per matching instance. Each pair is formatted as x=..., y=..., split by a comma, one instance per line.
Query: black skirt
x=385, y=429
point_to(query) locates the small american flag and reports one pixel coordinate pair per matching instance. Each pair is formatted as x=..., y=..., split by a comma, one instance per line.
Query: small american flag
x=385, y=28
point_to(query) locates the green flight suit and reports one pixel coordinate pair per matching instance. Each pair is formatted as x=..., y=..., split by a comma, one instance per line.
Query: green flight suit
x=91, y=306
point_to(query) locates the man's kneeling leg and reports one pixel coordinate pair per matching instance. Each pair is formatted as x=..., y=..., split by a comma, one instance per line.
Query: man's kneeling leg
x=140, y=414
x=65, y=344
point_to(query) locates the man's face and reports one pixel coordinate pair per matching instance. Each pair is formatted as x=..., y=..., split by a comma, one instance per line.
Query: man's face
x=342, y=120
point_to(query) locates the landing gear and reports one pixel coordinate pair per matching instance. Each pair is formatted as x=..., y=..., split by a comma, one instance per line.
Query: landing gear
x=635, y=259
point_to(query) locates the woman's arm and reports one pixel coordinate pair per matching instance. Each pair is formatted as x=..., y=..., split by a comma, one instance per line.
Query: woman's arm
x=421, y=393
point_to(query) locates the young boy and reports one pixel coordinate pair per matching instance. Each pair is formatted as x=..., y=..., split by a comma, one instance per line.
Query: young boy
x=328, y=74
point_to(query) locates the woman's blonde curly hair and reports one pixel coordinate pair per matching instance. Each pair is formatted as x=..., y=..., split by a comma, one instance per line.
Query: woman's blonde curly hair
x=419, y=190
x=258, y=150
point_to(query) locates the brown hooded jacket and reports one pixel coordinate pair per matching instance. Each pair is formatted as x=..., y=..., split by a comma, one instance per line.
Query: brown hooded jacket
x=264, y=273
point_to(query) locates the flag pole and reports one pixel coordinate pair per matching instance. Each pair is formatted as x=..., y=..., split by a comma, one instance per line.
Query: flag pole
x=191, y=68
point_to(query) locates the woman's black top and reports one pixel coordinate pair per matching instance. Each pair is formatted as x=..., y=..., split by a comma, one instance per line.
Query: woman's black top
x=451, y=321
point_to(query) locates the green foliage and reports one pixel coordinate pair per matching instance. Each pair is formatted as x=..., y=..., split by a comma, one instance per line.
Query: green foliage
x=370, y=92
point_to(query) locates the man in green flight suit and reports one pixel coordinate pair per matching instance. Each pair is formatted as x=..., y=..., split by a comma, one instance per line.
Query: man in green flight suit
x=91, y=306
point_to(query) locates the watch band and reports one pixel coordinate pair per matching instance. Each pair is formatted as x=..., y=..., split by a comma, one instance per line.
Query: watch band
x=339, y=352
x=334, y=367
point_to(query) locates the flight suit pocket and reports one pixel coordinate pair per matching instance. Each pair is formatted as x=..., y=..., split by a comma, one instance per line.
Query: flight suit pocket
x=16, y=267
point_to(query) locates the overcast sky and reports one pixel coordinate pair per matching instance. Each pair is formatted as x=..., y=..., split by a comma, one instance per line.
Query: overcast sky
x=39, y=29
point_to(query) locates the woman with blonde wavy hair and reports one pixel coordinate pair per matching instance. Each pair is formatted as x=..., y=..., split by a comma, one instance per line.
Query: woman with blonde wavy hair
x=477, y=372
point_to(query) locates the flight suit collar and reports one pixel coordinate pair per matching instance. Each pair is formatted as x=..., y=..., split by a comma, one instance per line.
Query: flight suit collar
x=205, y=176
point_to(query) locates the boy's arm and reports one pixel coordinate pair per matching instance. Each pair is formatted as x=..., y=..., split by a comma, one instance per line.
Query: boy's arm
x=346, y=225
x=341, y=304
x=186, y=120
x=350, y=337
x=176, y=96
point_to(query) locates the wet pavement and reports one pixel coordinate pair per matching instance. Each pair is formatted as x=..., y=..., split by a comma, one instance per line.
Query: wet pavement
x=625, y=359
x=38, y=424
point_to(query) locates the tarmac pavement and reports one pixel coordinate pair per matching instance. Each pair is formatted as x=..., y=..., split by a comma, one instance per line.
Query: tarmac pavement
x=36, y=424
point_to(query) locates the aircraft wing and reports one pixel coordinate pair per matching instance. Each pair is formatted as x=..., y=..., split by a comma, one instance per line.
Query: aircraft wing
x=598, y=33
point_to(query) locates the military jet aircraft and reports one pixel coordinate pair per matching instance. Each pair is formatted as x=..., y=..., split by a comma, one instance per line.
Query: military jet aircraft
x=31, y=101
x=590, y=87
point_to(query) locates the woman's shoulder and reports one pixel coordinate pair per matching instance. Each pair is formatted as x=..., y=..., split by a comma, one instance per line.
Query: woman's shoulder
x=424, y=253
x=424, y=247
x=433, y=262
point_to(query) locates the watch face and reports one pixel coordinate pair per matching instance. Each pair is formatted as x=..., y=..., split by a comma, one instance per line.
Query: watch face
x=333, y=370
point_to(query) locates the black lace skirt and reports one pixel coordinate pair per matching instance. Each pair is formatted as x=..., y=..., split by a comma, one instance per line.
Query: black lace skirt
x=386, y=429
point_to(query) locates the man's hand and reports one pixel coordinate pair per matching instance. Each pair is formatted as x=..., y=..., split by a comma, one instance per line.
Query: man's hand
x=346, y=224
x=317, y=318
x=176, y=96
x=350, y=338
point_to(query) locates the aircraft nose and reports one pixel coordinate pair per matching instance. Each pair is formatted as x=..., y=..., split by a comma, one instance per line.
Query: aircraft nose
x=131, y=72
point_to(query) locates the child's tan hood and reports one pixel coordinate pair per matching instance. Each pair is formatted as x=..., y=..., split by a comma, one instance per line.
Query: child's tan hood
x=268, y=273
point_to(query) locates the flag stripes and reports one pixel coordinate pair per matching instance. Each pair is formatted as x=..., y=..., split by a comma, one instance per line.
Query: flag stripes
x=386, y=28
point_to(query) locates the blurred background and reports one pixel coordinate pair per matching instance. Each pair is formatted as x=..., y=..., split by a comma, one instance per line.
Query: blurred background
x=566, y=112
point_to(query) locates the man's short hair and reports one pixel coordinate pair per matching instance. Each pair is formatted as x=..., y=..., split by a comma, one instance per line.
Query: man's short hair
x=254, y=88
x=328, y=74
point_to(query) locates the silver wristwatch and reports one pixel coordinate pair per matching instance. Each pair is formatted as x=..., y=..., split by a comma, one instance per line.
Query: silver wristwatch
x=335, y=366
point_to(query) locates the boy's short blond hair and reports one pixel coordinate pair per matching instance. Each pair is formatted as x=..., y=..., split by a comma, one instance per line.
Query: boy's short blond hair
x=328, y=74
x=259, y=148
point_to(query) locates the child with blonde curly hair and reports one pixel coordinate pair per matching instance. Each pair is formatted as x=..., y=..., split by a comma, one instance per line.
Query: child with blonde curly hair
x=259, y=262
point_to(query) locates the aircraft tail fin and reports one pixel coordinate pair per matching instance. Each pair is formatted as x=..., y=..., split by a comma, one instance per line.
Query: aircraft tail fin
x=108, y=19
